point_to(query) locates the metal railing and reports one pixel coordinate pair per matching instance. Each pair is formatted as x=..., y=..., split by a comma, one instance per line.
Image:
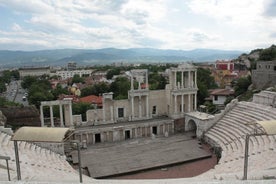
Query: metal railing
x=7, y=162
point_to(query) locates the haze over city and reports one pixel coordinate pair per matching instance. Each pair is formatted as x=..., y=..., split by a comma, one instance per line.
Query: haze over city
x=163, y=24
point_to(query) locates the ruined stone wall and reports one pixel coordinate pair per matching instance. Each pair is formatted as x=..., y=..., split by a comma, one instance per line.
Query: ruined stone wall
x=265, y=75
x=265, y=98
x=126, y=107
x=158, y=98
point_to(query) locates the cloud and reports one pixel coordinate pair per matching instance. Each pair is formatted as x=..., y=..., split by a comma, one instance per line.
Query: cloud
x=140, y=23
x=234, y=12
x=270, y=8
x=273, y=35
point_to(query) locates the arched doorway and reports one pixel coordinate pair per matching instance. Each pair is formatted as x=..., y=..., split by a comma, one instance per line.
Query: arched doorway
x=191, y=128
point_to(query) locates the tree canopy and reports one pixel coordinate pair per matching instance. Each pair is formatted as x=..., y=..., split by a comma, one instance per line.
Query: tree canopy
x=242, y=85
x=156, y=81
x=268, y=54
x=96, y=89
x=204, y=82
x=120, y=88
x=112, y=72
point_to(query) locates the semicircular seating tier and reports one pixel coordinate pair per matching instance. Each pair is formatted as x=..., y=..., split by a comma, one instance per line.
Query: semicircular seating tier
x=229, y=133
x=36, y=163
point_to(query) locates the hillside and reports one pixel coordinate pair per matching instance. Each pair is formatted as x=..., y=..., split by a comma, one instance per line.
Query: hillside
x=267, y=54
x=109, y=55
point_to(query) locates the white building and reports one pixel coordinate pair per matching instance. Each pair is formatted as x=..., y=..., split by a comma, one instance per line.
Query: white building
x=64, y=74
x=34, y=71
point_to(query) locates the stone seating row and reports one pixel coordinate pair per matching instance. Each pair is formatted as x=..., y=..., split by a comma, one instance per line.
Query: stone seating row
x=38, y=163
x=229, y=133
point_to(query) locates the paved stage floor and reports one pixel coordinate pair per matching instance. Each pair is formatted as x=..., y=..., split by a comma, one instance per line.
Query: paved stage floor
x=108, y=159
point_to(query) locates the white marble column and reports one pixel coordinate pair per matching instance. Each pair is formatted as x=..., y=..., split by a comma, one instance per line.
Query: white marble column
x=195, y=79
x=103, y=110
x=189, y=102
x=175, y=104
x=147, y=106
x=51, y=116
x=175, y=79
x=182, y=103
x=140, y=107
x=189, y=79
x=41, y=116
x=111, y=113
x=195, y=102
x=132, y=106
x=147, y=80
x=182, y=80
x=131, y=80
x=71, y=116
x=61, y=116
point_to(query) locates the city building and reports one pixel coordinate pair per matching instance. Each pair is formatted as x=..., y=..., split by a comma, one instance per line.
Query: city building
x=219, y=96
x=64, y=74
x=34, y=71
x=71, y=66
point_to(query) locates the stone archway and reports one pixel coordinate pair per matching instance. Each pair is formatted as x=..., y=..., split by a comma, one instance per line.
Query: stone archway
x=191, y=127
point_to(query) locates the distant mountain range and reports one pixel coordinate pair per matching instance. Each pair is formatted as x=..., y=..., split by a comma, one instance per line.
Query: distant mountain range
x=109, y=55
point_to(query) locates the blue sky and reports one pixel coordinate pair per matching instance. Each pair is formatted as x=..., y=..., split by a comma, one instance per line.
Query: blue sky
x=164, y=24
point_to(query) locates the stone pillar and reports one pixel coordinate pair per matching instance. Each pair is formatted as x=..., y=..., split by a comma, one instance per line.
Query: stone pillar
x=71, y=116
x=140, y=107
x=195, y=102
x=41, y=116
x=147, y=106
x=182, y=103
x=131, y=80
x=147, y=80
x=195, y=79
x=132, y=106
x=175, y=79
x=135, y=130
x=111, y=113
x=61, y=116
x=175, y=103
x=182, y=80
x=189, y=79
x=51, y=116
x=93, y=139
x=189, y=102
x=172, y=127
x=103, y=109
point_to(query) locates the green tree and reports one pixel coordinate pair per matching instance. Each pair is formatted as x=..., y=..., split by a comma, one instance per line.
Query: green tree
x=81, y=108
x=2, y=86
x=96, y=89
x=28, y=81
x=77, y=79
x=204, y=82
x=5, y=103
x=15, y=74
x=242, y=85
x=112, y=72
x=268, y=54
x=157, y=81
x=58, y=91
x=120, y=88
x=39, y=91
x=202, y=93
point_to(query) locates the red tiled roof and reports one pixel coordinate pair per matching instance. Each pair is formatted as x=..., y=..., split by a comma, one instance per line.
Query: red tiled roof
x=93, y=99
x=222, y=92
x=75, y=99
